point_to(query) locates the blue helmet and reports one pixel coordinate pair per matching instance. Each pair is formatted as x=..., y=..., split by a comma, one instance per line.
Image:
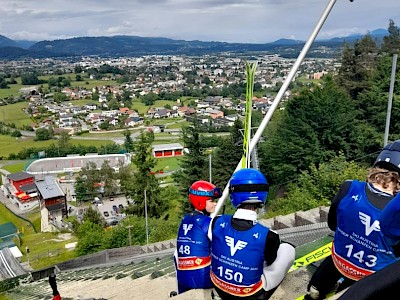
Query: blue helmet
x=389, y=158
x=248, y=186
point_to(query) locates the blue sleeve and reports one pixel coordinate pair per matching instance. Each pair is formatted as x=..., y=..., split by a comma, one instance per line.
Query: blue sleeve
x=390, y=218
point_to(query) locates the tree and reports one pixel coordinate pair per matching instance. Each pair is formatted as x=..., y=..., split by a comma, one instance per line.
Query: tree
x=30, y=79
x=391, y=43
x=42, y=134
x=90, y=238
x=314, y=127
x=80, y=189
x=126, y=176
x=222, y=167
x=60, y=97
x=63, y=143
x=193, y=163
x=89, y=179
x=358, y=66
x=109, y=178
x=93, y=216
x=128, y=143
x=317, y=186
x=145, y=184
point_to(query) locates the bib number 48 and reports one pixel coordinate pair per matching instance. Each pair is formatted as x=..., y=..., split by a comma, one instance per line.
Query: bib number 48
x=229, y=275
x=184, y=250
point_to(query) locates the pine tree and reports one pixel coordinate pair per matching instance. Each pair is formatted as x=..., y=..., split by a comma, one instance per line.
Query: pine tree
x=315, y=126
x=358, y=66
x=145, y=184
x=193, y=163
x=391, y=43
x=227, y=156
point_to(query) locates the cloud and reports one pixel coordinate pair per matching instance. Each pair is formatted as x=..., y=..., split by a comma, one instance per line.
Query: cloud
x=256, y=21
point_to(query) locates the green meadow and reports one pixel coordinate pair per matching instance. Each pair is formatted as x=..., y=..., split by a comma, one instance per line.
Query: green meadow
x=10, y=144
x=14, y=113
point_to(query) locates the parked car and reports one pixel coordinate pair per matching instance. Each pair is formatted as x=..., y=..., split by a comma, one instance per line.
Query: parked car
x=120, y=206
x=97, y=201
x=106, y=214
x=111, y=198
x=114, y=207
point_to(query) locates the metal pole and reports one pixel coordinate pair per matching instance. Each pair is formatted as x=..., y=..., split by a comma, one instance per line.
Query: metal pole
x=389, y=108
x=129, y=232
x=279, y=96
x=210, y=166
x=145, y=215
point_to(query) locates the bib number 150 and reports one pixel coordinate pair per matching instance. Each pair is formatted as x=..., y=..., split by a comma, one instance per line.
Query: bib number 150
x=229, y=275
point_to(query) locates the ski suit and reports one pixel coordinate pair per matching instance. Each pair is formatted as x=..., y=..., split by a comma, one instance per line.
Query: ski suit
x=384, y=283
x=359, y=248
x=248, y=260
x=192, y=256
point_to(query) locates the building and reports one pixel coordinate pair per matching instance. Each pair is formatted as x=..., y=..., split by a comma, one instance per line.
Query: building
x=21, y=190
x=167, y=150
x=53, y=204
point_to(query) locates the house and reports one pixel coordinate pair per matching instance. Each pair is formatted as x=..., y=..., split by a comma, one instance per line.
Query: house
x=167, y=150
x=53, y=204
x=203, y=104
x=182, y=110
x=125, y=110
x=133, y=121
x=213, y=100
x=216, y=114
x=78, y=110
x=162, y=113
x=91, y=106
x=19, y=188
x=190, y=111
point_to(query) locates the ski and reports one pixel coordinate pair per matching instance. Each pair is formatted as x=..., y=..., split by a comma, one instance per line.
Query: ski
x=312, y=257
x=250, y=74
x=309, y=258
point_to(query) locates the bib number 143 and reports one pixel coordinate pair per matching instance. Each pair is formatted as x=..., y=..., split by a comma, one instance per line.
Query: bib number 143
x=360, y=256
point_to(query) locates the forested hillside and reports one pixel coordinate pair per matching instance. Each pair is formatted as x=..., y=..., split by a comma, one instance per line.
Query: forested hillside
x=325, y=134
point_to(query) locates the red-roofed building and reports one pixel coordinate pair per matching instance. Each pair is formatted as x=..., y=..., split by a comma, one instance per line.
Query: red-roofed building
x=20, y=188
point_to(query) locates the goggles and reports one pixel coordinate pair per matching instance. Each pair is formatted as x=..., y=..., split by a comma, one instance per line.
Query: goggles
x=214, y=193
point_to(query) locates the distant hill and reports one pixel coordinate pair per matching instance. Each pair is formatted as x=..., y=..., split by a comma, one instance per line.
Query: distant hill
x=25, y=44
x=6, y=42
x=136, y=46
x=377, y=35
x=287, y=42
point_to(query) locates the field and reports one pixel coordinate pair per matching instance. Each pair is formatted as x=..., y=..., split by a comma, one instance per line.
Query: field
x=10, y=144
x=14, y=114
x=168, y=164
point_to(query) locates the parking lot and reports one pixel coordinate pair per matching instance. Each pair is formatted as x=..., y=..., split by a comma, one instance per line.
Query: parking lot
x=111, y=209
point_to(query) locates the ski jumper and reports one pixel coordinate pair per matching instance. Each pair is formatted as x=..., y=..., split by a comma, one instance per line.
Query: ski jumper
x=359, y=247
x=192, y=256
x=234, y=270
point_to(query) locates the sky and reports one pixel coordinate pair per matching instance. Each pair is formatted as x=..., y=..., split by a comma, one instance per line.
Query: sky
x=242, y=21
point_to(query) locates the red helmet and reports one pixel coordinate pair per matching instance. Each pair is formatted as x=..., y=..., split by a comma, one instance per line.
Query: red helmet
x=201, y=191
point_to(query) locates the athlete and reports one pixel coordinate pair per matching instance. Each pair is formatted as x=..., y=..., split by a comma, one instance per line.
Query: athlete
x=248, y=259
x=384, y=283
x=192, y=255
x=360, y=247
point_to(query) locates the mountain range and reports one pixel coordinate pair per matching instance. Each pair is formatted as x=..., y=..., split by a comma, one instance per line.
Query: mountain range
x=116, y=46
